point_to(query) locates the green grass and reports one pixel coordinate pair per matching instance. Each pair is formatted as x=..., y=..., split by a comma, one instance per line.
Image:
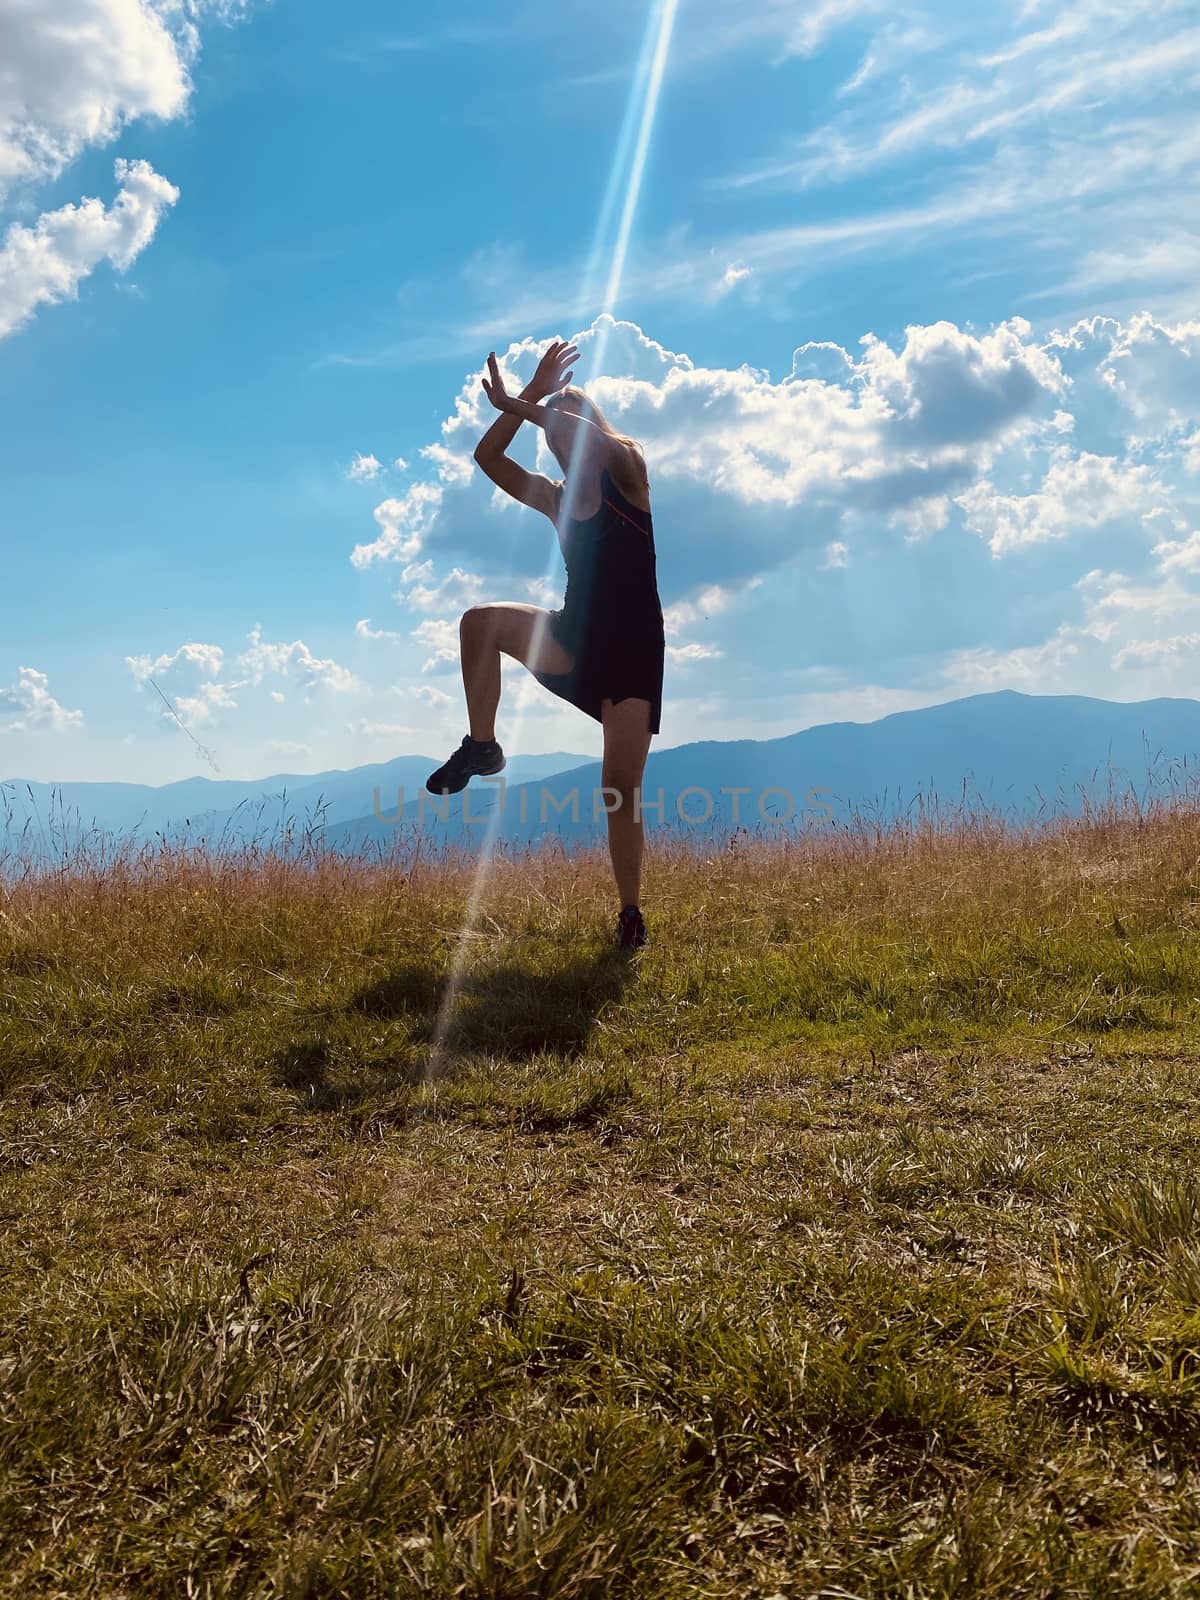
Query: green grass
x=845, y=1244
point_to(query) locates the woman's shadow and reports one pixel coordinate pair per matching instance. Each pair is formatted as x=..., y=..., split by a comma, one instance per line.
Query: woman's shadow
x=514, y=1010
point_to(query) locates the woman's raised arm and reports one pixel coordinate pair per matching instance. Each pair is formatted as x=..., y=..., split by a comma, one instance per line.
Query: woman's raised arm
x=530, y=488
x=551, y=374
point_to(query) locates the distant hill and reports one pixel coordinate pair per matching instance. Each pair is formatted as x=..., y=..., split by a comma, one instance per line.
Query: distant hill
x=1022, y=755
x=1017, y=754
x=223, y=808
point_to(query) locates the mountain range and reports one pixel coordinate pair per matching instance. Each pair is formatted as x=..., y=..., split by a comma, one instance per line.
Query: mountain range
x=1020, y=755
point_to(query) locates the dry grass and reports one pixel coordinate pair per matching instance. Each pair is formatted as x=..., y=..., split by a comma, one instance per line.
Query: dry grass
x=848, y=1243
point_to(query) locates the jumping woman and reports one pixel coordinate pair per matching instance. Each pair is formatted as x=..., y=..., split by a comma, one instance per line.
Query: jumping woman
x=603, y=651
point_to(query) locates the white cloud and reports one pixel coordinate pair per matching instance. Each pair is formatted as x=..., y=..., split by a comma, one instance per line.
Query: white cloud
x=923, y=517
x=264, y=658
x=894, y=430
x=896, y=452
x=709, y=602
x=364, y=468
x=46, y=263
x=202, y=707
x=1132, y=639
x=1080, y=492
x=442, y=637
x=1101, y=56
x=820, y=18
x=27, y=706
x=362, y=728
x=207, y=658
x=455, y=592
x=735, y=273
x=429, y=693
x=679, y=654
x=1151, y=368
x=289, y=748
x=73, y=73
x=544, y=591
x=1179, y=555
x=403, y=524
x=364, y=630
x=1042, y=668
x=451, y=467
x=1151, y=652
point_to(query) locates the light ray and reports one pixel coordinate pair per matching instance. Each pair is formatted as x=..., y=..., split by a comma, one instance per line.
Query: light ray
x=633, y=193
x=625, y=185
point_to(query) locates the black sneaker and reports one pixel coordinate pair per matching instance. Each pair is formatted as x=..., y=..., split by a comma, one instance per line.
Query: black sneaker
x=474, y=758
x=631, y=930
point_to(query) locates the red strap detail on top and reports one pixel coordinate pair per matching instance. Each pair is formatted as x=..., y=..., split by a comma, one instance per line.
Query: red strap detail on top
x=645, y=532
x=611, y=504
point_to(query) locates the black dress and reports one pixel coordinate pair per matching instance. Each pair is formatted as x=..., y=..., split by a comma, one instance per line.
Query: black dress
x=611, y=622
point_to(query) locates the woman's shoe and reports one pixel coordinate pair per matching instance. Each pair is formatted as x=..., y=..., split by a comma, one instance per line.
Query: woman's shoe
x=474, y=758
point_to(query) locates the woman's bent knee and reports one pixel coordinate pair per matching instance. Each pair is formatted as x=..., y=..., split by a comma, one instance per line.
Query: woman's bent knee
x=475, y=621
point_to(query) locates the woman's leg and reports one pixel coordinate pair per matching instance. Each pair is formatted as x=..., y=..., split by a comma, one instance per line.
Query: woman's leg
x=504, y=628
x=626, y=745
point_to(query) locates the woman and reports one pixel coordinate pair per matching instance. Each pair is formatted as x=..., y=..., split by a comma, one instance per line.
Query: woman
x=604, y=650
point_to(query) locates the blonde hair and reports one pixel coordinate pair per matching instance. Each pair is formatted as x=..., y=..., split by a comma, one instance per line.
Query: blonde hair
x=588, y=408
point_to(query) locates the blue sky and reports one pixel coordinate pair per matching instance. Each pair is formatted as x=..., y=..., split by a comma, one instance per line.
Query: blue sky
x=907, y=323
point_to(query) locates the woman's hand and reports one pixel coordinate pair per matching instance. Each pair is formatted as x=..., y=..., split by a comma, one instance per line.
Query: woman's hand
x=495, y=390
x=552, y=371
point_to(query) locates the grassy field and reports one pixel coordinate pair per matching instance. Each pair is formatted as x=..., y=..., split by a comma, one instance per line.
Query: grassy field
x=847, y=1243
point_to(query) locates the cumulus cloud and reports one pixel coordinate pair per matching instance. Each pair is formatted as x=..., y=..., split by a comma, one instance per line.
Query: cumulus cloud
x=27, y=706
x=207, y=692
x=1078, y=493
x=363, y=469
x=403, y=524
x=1133, y=639
x=678, y=654
x=452, y=467
x=949, y=387
x=749, y=471
x=46, y=263
x=264, y=658
x=977, y=475
x=709, y=602
x=429, y=693
x=1179, y=555
x=456, y=591
x=207, y=658
x=364, y=630
x=73, y=73
x=440, y=635
x=1151, y=369
x=203, y=706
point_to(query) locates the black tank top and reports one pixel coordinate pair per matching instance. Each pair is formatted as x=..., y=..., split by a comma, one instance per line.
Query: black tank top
x=612, y=583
